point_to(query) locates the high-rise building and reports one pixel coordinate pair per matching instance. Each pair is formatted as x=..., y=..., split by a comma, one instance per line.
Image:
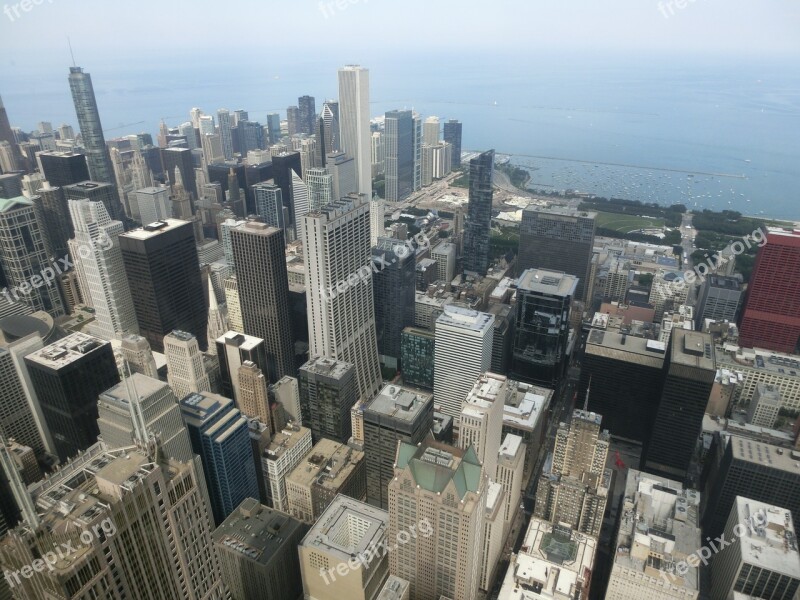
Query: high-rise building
x=292, y=120
x=67, y=377
x=259, y=254
x=19, y=416
x=765, y=406
x=159, y=406
x=761, y=559
x=331, y=133
x=393, y=289
x=307, y=114
x=558, y=239
x=274, y=127
x=136, y=351
x=224, y=125
x=219, y=434
x=328, y=390
x=329, y=469
x=300, y=198
x=378, y=154
x=186, y=372
x=164, y=274
x=153, y=204
x=377, y=214
x=771, y=316
x=417, y=357
x=96, y=252
x=444, y=254
x=113, y=497
x=7, y=135
x=398, y=143
x=63, y=168
x=25, y=256
x=448, y=487
x=481, y=423
x=354, y=123
x=285, y=451
x=269, y=205
x=689, y=371
x=719, y=299
x=416, y=144
x=234, y=349
x=452, y=135
x=341, y=312
x=463, y=352
x=395, y=414
x=430, y=131
x=348, y=529
x=97, y=192
x=342, y=169
x=97, y=157
x=477, y=229
x=253, y=393
x=284, y=165
x=257, y=548
x=541, y=326
x=659, y=521
x=574, y=485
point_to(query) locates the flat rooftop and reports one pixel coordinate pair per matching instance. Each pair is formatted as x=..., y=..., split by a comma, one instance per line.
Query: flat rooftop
x=769, y=541
x=395, y=588
x=525, y=405
x=693, y=349
x=763, y=454
x=329, y=464
x=285, y=440
x=398, y=402
x=138, y=385
x=612, y=344
x=786, y=365
x=511, y=445
x=346, y=528
x=320, y=365
x=464, y=318
x=240, y=340
x=544, y=281
x=66, y=351
x=151, y=230
x=563, y=211
x=199, y=406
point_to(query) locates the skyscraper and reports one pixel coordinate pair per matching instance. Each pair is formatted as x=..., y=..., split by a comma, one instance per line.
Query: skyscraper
x=341, y=312
x=164, y=274
x=393, y=289
x=97, y=192
x=436, y=479
x=541, y=333
x=63, y=168
x=234, y=350
x=292, y=120
x=558, y=239
x=463, y=351
x=219, y=434
x=452, y=135
x=331, y=132
x=96, y=252
x=186, y=372
x=264, y=293
x=97, y=157
x=328, y=390
x=54, y=209
x=771, y=316
x=274, y=127
x=67, y=377
x=224, y=129
x=18, y=419
x=479, y=213
x=354, y=123
x=689, y=371
x=253, y=393
x=343, y=174
x=320, y=188
x=140, y=358
x=7, y=135
x=308, y=114
x=398, y=144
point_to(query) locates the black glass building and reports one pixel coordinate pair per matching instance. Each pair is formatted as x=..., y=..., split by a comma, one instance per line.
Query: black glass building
x=477, y=228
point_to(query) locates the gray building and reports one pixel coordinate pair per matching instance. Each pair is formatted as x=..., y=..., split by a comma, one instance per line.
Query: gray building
x=328, y=390
x=398, y=143
x=477, y=228
x=395, y=414
x=417, y=351
x=720, y=298
x=452, y=135
x=393, y=289
x=559, y=239
x=97, y=156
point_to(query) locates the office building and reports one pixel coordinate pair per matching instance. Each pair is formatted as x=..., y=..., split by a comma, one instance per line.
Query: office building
x=541, y=326
x=97, y=156
x=347, y=529
x=398, y=144
x=339, y=284
x=377, y=219
x=20, y=415
x=448, y=484
x=554, y=561
x=396, y=414
x=378, y=154
x=719, y=299
x=63, y=168
x=354, y=123
x=765, y=406
x=463, y=350
x=224, y=126
x=761, y=559
x=444, y=254
x=342, y=169
x=96, y=251
x=329, y=469
x=451, y=132
x=25, y=255
x=328, y=390
x=510, y=475
x=667, y=292
x=417, y=353
x=477, y=229
x=331, y=133
x=253, y=398
x=97, y=192
x=574, y=485
x=626, y=374
x=136, y=351
x=393, y=288
x=689, y=372
x=154, y=204
x=771, y=316
x=558, y=239
x=285, y=451
x=481, y=423
x=67, y=378
x=284, y=166
x=257, y=549
x=164, y=274
x=307, y=114
x=320, y=188
x=263, y=284
x=186, y=371
x=159, y=407
x=116, y=496
x=659, y=527
x=219, y=434
x=233, y=350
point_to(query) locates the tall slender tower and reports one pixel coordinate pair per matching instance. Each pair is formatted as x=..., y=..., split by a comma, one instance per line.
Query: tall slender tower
x=225, y=134
x=186, y=372
x=341, y=313
x=100, y=257
x=398, y=142
x=80, y=84
x=354, y=123
x=479, y=213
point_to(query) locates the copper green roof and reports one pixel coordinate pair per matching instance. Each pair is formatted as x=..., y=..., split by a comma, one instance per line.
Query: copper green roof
x=12, y=203
x=433, y=466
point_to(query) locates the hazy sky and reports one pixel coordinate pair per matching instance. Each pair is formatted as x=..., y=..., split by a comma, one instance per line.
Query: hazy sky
x=363, y=27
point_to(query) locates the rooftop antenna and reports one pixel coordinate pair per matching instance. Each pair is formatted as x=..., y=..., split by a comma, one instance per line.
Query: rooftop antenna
x=74, y=64
x=586, y=402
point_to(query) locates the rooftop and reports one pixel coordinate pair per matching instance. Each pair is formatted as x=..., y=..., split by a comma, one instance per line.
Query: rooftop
x=240, y=340
x=7, y=204
x=525, y=405
x=285, y=440
x=626, y=348
x=66, y=351
x=398, y=402
x=769, y=541
x=560, y=210
x=138, y=385
x=543, y=281
x=346, y=528
x=320, y=365
x=197, y=407
x=329, y=464
x=465, y=318
x=395, y=588
x=787, y=365
x=151, y=230
x=434, y=465
x=693, y=349
x=762, y=454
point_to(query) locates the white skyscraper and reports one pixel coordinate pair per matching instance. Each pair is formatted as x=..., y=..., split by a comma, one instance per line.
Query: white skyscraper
x=96, y=247
x=482, y=420
x=320, y=188
x=354, y=123
x=463, y=350
x=341, y=313
x=300, y=200
x=377, y=210
x=186, y=372
x=430, y=131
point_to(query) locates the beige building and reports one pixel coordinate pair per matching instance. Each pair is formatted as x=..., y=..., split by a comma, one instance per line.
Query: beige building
x=329, y=469
x=253, y=396
x=284, y=453
x=444, y=489
x=186, y=372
